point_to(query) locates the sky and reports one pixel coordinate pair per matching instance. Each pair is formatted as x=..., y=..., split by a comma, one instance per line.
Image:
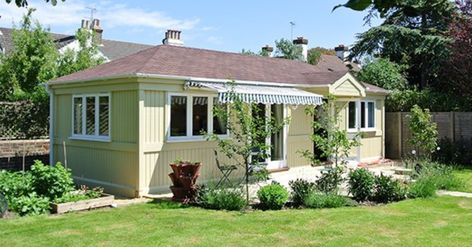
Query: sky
x=210, y=24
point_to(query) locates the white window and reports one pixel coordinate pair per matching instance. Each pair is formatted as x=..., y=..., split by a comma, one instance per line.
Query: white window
x=91, y=117
x=191, y=116
x=361, y=114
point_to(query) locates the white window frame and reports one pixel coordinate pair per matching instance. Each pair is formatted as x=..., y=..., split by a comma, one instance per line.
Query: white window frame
x=96, y=136
x=357, y=126
x=189, y=136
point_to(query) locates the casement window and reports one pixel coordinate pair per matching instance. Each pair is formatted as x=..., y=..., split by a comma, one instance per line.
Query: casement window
x=361, y=114
x=91, y=117
x=191, y=116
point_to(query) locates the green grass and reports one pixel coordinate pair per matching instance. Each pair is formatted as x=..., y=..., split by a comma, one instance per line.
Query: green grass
x=440, y=221
x=466, y=176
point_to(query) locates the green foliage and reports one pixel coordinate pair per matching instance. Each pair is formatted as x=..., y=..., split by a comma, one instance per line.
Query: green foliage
x=51, y=181
x=24, y=3
x=434, y=176
x=333, y=142
x=422, y=189
x=30, y=204
x=424, y=133
x=15, y=184
x=314, y=54
x=32, y=61
x=387, y=190
x=361, y=184
x=84, y=193
x=272, y=196
x=321, y=200
x=458, y=152
x=286, y=49
x=87, y=55
x=300, y=190
x=383, y=73
x=25, y=119
x=221, y=199
x=330, y=180
x=249, y=132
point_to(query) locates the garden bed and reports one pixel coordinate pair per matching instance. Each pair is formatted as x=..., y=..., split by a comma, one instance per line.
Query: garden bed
x=105, y=200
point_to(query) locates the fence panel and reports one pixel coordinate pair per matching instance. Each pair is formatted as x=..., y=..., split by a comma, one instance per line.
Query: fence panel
x=451, y=125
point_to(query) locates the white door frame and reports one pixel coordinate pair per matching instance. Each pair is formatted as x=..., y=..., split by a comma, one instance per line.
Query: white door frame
x=278, y=164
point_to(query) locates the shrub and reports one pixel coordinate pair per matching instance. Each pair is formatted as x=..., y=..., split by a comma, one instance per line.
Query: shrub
x=458, y=152
x=273, y=196
x=221, y=199
x=15, y=184
x=31, y=204
x=361, y=184
x=322, y=200
x=422, y=188
x=387, y=190
x=300, y=190
x=424, y=132
x=330, y=180
x=84, y=193
x=51, y=181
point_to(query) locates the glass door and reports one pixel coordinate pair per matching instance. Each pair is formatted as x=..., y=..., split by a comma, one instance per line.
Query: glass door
x=277, y=140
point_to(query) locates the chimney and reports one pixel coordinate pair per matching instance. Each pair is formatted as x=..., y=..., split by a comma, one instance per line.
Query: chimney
x=267, y=50
x=85, y=24
x=303, y=43
x=173, y=38
x=342, y=52
x=97, y=31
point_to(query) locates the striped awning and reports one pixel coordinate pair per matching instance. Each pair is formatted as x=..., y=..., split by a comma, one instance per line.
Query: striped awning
x=259, y=94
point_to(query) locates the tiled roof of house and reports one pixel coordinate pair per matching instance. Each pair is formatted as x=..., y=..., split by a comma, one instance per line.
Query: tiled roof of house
x=201, y=63
x=112, y=49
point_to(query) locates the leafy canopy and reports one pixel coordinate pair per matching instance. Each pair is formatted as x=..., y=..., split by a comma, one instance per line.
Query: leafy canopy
x=383, y=73
x=286, y=49
x=24, y=3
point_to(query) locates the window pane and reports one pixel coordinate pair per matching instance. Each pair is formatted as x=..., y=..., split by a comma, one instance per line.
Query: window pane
x=90, y=116
x=219, y=120
x=277, y=139
x=104, y=114
x=362, y=114
x=352, y=115
x=78, y=116
x=200, y=115
x=178, y=116
x=371, y=114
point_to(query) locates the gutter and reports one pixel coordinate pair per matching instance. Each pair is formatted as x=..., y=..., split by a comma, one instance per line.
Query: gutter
x=51, y=124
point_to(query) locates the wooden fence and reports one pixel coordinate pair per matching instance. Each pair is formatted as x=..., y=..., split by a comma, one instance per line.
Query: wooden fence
x=451, y=125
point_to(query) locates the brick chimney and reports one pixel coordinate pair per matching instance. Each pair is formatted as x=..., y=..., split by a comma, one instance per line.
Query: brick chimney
x=172, y=37
x=267, y=49
x=342, y=52
x=97, y=31
x=303, y=43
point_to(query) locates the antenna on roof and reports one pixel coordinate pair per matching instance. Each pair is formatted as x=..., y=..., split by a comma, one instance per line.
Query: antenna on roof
x=92, y=11
x=292, y=24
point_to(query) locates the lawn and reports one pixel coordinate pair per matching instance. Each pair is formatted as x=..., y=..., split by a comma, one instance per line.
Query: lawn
x=440, y=221
x=466, y=176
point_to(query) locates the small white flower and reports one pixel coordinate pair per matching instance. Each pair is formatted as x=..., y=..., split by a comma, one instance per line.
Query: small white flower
x=413, y=152
x=438, y=148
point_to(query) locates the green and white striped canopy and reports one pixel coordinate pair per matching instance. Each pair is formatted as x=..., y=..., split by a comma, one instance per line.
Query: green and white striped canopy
x=259, y=94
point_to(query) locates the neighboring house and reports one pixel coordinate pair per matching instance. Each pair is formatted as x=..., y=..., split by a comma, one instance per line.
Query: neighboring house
x=108, y=49
x=120, y=124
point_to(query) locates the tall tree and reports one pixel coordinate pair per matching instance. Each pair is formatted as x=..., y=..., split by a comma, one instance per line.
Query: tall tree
x=286, y=49
x=456, y=74
x=32, y=61
x=383, y=73
x=414, y=32
x=314, y=54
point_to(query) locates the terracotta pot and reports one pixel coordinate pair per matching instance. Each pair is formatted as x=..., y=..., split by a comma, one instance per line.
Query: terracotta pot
x=184, y=178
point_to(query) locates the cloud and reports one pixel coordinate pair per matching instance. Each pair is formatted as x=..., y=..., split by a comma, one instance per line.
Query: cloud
x=68, y=14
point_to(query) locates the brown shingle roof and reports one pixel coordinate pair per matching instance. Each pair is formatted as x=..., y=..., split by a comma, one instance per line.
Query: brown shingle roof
x=201, y=63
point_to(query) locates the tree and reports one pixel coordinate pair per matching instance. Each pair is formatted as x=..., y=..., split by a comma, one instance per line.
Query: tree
x=286, y=49
x=314, y=54
x=333, y=142
x=456, y=74
x=383, y=73
x=32, y=62
x=86, y=56
x=424, y=133
x=24, y=3
x=413, y=33
x=249, y=128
